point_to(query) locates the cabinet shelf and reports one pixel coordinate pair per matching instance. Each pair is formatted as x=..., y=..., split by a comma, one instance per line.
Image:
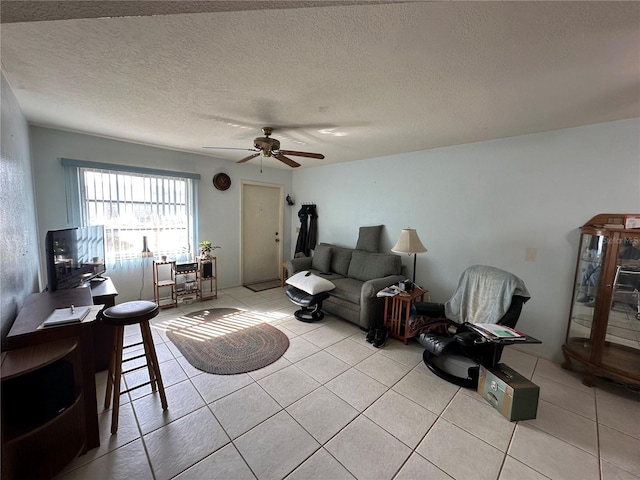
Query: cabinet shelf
x=42, y=402
x=16, y=433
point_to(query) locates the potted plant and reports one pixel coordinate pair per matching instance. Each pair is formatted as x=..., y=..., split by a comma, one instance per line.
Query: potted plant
x=205, y=249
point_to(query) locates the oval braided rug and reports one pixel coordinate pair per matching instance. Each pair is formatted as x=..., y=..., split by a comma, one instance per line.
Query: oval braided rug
x=226, y=340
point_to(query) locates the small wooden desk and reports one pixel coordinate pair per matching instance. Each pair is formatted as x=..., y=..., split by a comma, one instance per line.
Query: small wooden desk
x=25, y=333
x=398, y=326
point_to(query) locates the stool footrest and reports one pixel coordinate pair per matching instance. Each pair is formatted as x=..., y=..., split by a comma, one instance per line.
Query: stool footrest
x=304, y=299
x=135, y=387
x=311, y=304
x=124, y=372
x=142, y=355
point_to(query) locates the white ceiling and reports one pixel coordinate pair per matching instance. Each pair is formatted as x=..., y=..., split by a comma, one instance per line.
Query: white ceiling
x=353, y=80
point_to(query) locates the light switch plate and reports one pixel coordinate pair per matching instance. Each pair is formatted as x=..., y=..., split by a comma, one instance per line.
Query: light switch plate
x=530, y=254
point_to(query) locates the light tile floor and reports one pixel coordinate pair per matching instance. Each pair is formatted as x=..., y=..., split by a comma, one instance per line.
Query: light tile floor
x=334, y=407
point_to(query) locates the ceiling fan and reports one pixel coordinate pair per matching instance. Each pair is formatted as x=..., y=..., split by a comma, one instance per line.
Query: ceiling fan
x=270, y=147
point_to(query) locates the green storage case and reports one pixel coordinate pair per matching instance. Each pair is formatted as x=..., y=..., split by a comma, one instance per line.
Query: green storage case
x=513, y=395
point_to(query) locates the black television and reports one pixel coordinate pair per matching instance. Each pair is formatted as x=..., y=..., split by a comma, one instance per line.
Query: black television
x=75, y=256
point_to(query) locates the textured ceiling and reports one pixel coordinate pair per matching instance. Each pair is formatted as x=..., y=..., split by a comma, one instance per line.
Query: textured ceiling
x=350, y=80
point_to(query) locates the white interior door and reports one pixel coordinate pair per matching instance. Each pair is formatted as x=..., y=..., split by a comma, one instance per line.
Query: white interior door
x=262, y=210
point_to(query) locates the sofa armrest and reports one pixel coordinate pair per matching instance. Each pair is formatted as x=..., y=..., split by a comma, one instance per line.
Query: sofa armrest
x=296, y=265
x=371, y=287
x=372, y=306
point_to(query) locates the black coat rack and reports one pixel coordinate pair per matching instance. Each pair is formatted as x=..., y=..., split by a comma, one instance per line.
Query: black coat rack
x=308, y=235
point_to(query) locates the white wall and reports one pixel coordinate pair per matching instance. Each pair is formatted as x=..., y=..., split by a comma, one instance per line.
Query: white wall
x=478, y=203
x=18, y=239
x=218, y=211
x=487, y=203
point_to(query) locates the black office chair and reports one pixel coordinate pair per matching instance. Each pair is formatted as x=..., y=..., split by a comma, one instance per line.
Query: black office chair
x=484, y=295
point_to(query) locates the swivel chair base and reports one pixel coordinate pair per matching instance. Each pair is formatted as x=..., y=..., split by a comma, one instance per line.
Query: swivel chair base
x=456, y=369
x=309, y=315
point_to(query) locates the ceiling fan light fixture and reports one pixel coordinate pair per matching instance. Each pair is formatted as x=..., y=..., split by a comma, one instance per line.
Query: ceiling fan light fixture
x=270, y=147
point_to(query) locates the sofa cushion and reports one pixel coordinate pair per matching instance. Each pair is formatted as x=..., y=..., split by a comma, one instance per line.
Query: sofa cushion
x=310, y=283
x=369, y=238
x=366, y=266
x=321, y=260
x=348, y=289
x=340, y=259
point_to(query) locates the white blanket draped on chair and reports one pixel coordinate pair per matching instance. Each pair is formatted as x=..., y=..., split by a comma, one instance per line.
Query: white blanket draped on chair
x=484, y=295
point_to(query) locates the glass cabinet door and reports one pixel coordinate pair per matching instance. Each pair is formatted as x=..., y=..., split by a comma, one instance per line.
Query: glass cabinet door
x=623, y=326
x=586, y=292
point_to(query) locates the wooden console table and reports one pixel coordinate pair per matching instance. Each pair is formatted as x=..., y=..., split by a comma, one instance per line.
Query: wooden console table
x=26, y=336
x=397, y=307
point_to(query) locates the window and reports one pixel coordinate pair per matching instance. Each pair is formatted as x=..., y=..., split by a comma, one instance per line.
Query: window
x=134, y=203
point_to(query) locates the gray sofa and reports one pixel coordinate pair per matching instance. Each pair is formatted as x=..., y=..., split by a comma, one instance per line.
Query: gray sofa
x=358, y=276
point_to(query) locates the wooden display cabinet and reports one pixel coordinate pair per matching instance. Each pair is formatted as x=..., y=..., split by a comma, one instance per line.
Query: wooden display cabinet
x=604, y=320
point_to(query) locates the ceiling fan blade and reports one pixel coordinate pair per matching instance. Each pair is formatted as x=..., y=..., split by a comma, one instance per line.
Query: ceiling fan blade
x=286, y=160
x=233, y=148
x=303, y=154
x=246, y=159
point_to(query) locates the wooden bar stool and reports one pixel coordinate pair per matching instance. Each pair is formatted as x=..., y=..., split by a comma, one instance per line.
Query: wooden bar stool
x=130, y=313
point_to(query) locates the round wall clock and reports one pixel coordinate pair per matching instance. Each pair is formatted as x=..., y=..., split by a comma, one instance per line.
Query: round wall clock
x=221, y=181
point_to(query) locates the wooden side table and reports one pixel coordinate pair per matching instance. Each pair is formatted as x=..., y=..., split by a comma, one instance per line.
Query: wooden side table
x=394, y=319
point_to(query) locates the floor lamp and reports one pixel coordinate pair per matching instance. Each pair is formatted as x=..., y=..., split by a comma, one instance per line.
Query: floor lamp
x=410, y=243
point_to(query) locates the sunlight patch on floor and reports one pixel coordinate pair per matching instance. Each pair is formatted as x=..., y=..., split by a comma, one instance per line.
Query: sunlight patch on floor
x=202, y=327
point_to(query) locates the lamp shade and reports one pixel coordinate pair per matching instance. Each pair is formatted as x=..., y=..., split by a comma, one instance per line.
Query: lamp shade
x=409, y=242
